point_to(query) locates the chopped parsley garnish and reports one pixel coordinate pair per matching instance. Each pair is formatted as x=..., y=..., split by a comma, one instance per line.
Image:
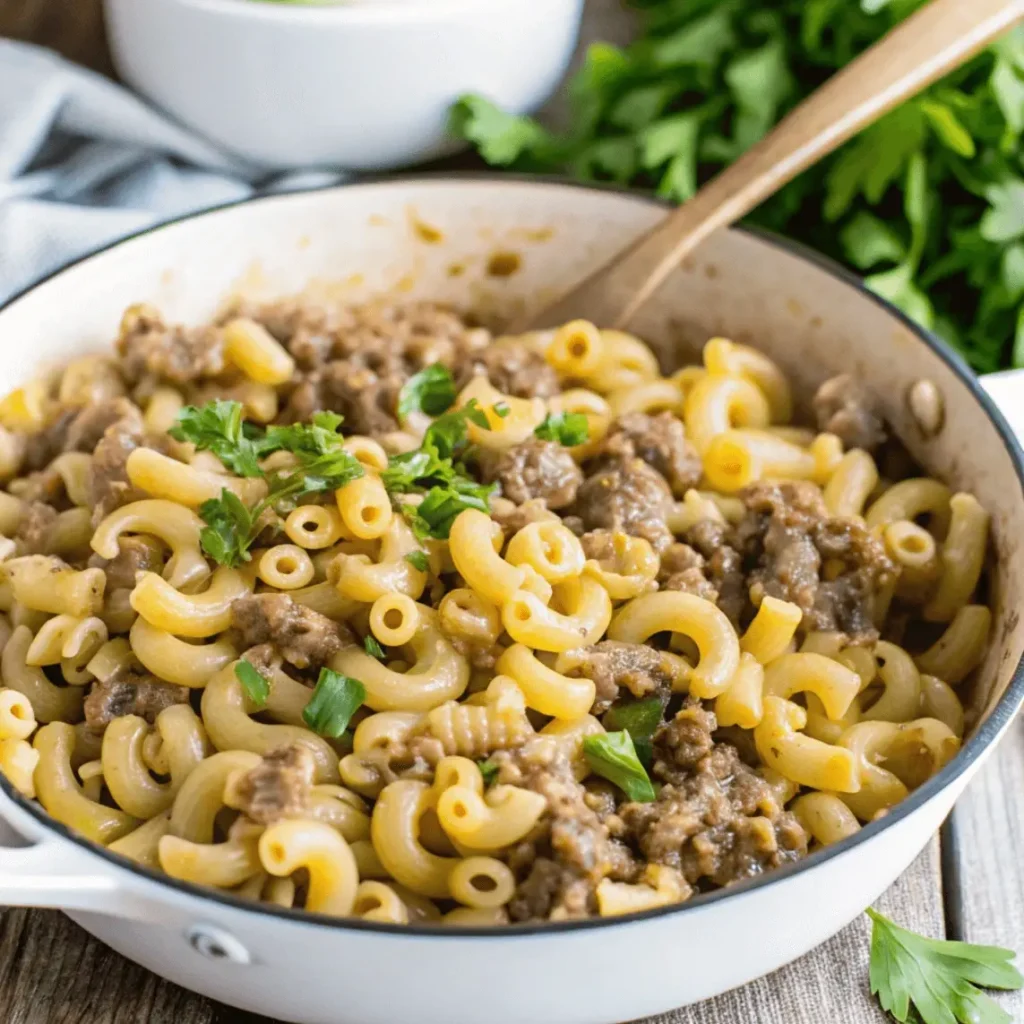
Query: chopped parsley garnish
x=418, y=560
x=502, y=409
x=335, y=700
x=322, y=465
x=447, y=435
x=431, y=391
x=318, y=437
x=640, y=718
x=433, y=517
x=217, y=427
x=934, y=981
x=489, y=771
x=372, y=647
x=567, y=428
x=230, y=529
x=314, y=474
x=613, y=756
x=436, y=471
x=256, y=685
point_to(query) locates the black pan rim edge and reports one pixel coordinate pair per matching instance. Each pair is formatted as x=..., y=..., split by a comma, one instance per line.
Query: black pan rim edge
x=991, y=728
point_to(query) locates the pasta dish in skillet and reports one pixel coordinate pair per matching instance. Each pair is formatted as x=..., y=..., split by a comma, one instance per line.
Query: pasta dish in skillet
x=363, y=611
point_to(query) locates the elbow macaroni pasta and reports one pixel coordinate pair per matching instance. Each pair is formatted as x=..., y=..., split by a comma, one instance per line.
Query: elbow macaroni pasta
x=517, y=665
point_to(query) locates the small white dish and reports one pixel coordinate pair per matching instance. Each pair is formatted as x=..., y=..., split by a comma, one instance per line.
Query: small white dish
x=365, y=86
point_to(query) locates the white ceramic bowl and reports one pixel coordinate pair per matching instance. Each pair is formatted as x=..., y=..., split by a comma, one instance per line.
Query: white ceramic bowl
x=363, y=87
x=362, y=240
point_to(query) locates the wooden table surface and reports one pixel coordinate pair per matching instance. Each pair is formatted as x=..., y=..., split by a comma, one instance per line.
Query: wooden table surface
x=968, y=884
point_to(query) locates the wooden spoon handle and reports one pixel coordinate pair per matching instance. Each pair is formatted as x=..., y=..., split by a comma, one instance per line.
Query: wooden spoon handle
x=926, y=46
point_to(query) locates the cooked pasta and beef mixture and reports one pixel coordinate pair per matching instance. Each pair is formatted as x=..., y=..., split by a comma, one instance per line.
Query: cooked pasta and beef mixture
x=364, y=611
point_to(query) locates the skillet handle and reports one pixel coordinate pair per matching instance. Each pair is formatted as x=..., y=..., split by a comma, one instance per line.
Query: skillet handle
x=40, y=868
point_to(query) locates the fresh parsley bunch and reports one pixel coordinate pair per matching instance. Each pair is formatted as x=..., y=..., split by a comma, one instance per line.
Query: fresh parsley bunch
x=928, y=203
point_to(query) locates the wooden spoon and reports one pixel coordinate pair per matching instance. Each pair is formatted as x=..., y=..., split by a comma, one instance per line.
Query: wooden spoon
x=921, y=49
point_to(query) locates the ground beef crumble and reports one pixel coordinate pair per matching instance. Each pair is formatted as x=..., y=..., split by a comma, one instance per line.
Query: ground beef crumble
x=659, y=440
x=514, y=370
x=535, y=470
x=512, y=517
x=723, y=566
x=626, y=494
x=572, y=849
x=33, y=531
x=86, y=430
x=278, y=787
x=304, y=637
x=788, y=536
x=130, y=693
x=366, y=397
x=109, y=487
x=150, y=348
x=43, y=447
x=714, y=817
x=135, y=554
x=615, y=666
x=355, y=361
x=683, y=568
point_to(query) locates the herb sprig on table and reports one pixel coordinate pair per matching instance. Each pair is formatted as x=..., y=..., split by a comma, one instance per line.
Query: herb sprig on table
x=936, y=982
x=928, y=203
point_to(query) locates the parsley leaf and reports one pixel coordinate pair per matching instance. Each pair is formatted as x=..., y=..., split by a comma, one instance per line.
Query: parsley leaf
x=1003, y=221
x=502, y=138
x=489, y=771
x=447, y=435
x=418, y=560
x=230, y=529
x=372, y=647
x=937, y=979
x=256, y=686
x=436, y=471
x=640, y=718
x=431, y=391
x=672, y=143
x=434, y=516
x=217, y=427
x=322, y=464
x=309, y=440
x=613, y=756
x=567, y=428
x=314, y=474
x=335, y=700
x=869, y=241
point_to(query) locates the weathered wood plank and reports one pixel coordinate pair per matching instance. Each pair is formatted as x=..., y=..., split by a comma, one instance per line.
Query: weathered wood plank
x=72, y=27
x=52, y=972
x=983, y=842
